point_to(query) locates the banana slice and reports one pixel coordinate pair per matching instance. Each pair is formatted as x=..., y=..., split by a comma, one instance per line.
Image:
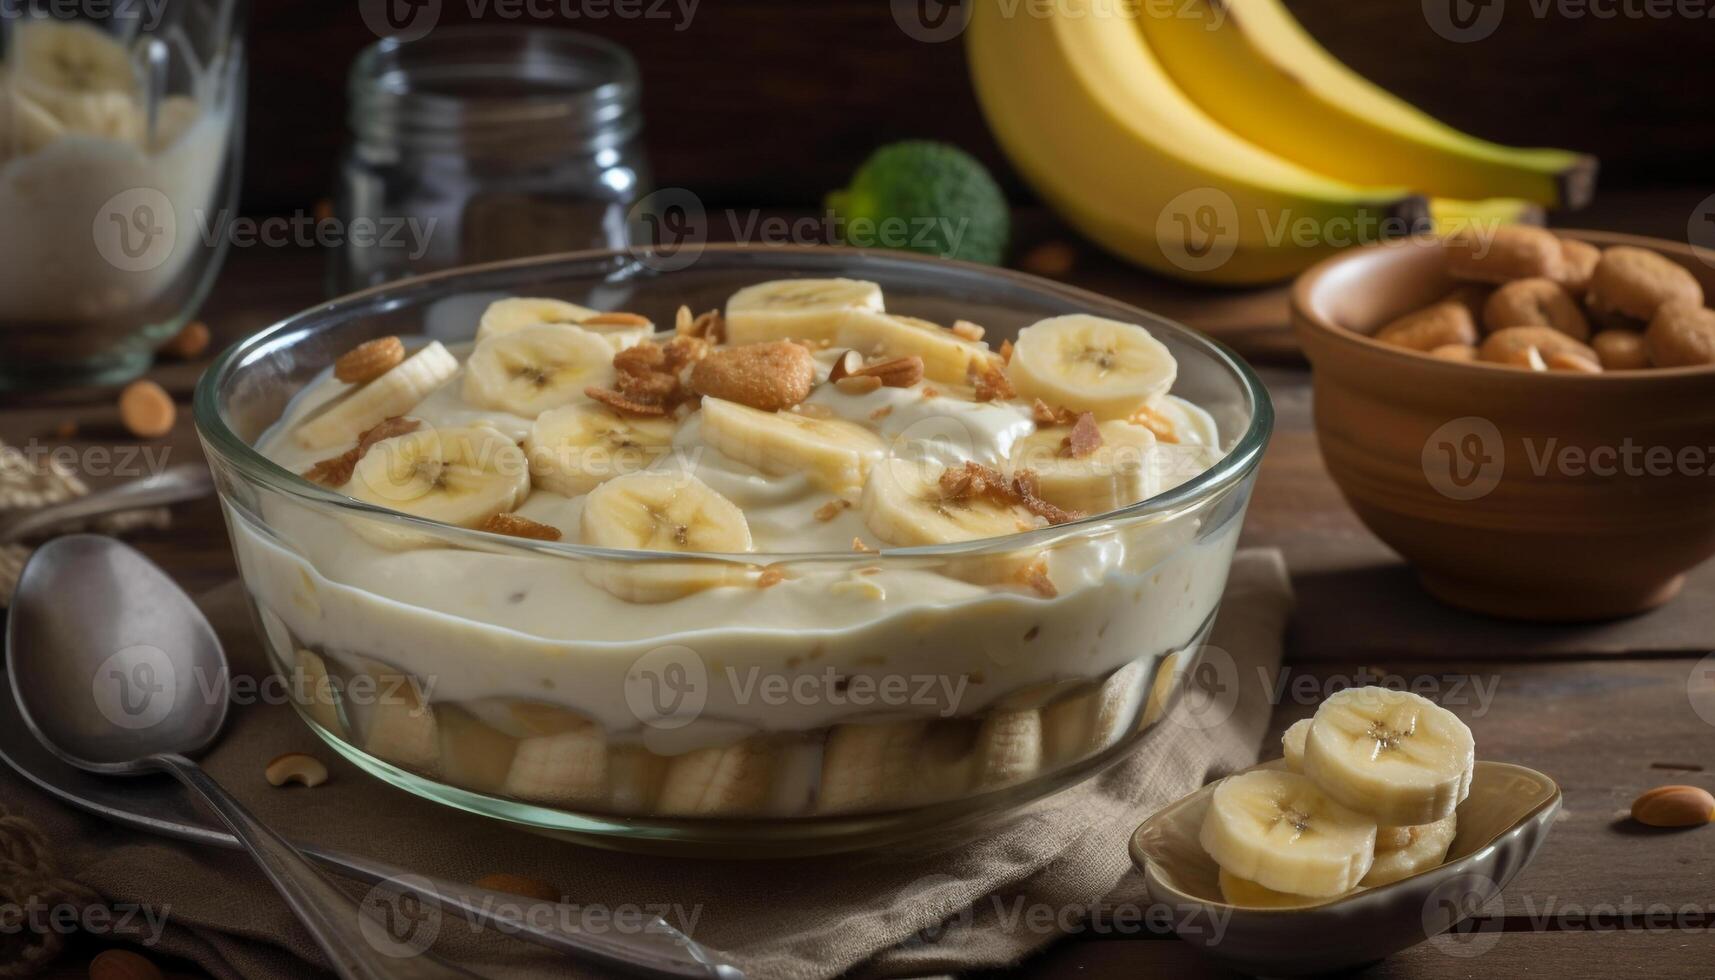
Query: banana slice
x=1292, y=744
x=69, y=56
x=837, y=455
x=317, y=691
x=1249, y=894
x=1080, y=726
x=459, y=476
x=946, y=356
x=634, y=776
x=662, y=511
x=532, y=369
x=1282, y=832
x=400, y=727
x=1116, y=474
x=1091, y=364
x=507, y=315
x=732, y=781
x=33, y=126
x=797, y=309
x=1404, y=851
x=575, y=448
x=1394, y=755
x=1009, y=747
x=903, y=505
x=564, y=761
x=473, y=755
x=871, y=766
x=395, y=393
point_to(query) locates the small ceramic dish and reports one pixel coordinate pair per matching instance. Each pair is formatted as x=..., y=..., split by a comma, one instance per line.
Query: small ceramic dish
x=1501, y=826
x=1539, y=496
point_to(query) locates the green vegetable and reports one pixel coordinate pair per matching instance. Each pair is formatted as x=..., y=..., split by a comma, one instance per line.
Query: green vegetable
x=924, y=197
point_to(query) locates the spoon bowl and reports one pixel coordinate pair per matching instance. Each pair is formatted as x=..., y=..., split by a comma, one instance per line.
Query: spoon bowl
x=109, y=660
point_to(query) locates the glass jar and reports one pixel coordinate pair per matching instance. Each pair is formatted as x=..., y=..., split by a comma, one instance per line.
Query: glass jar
x=119, y=159
x=474, y=144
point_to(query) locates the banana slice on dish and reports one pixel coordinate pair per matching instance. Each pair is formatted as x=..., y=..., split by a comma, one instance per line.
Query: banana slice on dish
x=395, y=393
x=1399, y=757
x=797, y=309
x=664, y=511
x=1091, y=364
x=1292, y=744
x=575, y=448
x=1115, y=474
x=459, y=476
x=903, y=505
x=532, y=369
x=946, y=356
x=1249, y=894
x=1279, y=830
x=1404, y=851
x=836, y=454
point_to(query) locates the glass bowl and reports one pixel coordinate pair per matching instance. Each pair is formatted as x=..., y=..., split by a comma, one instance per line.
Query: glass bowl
x=858, y=698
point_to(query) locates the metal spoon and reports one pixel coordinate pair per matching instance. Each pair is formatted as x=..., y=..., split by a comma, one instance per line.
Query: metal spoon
x=170, y=486
x=118, y=673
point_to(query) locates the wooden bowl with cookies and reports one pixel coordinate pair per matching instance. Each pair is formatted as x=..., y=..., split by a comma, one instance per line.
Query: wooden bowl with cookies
x=1527, y=416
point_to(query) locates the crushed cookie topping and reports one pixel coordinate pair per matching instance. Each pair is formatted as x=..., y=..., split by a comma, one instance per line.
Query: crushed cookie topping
x=974, y=480
x=624, y=405
x=989, y=379
x=709, y=326
x=337, y=471
x=1157, y=423
x=1046, y=415
x=1085, y=438
x=768, y=376
x=1005, y=351
x=1035, y=575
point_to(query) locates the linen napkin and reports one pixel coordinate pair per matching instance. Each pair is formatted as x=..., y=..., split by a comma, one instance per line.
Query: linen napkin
x=917, y=909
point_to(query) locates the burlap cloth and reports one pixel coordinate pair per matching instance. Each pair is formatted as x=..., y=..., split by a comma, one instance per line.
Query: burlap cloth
x=982, y=901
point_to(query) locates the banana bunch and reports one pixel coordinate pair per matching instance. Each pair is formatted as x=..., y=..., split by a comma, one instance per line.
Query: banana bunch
x=1165, y=132
x=1367, y=797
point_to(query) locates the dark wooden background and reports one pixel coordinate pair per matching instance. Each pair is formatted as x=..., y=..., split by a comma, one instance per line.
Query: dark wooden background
x=777, y=100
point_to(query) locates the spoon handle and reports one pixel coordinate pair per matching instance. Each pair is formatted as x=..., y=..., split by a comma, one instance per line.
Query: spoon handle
x=392, y=945
x=170, y=486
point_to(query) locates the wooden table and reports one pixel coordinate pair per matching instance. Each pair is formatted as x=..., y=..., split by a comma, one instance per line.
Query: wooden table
x=1607, y=711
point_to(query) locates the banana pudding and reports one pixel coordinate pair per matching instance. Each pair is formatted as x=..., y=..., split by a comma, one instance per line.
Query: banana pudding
x=799, y=557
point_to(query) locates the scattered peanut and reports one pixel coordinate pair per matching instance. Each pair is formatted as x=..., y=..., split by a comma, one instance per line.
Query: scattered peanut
x=369, y=360
x=1504, y=254
x=1530, y=346
x=1674, y=806
x=1681, y=336
x=1535, y=303
x=1580, y=262
x=296, y=767
x=513, y=884
x=1444, y=323
x=122, y=964
x=146, y=409
x=189, y=343
x=1621, y=350
x=1636, y=282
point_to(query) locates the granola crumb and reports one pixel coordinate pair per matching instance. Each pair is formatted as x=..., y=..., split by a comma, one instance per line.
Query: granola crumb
x=858, y=545
x=1006, y=351
x=620, y=403
x=1085, y=438
x=989, y=380
x=1035, y=575
x=520, y=527
x=1044, y=414
x=771, y=576
x=831, y=510
x=336, y=471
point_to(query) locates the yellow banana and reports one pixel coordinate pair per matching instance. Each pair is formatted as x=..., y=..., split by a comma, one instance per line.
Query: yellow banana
x=1093, y=121
x=1252, y=67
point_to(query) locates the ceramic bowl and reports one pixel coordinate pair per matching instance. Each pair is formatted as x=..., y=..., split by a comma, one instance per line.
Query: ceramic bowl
x=1501, y=825
x=1551, y=496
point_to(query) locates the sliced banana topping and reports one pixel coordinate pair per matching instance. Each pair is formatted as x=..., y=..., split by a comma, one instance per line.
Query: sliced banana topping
x=1111, y=475
x=836, y=454
x=947, y=357
x=1091, y=364
x=1404, y=851
x=1292, y=744
x=1249, y=894
x=532, y=369
x=905, y=504
x=575, y=448
x=1394, y=755
x=459, y=476
x=797, y=309
x=1279, y=830
x=395, y=393
x=667, y=511
x=506, y=315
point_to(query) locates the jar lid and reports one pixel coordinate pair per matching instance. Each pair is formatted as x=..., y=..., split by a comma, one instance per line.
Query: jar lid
x=479, y=89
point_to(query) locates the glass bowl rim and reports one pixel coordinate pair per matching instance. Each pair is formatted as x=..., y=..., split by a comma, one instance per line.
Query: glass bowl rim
x=1238, y=463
